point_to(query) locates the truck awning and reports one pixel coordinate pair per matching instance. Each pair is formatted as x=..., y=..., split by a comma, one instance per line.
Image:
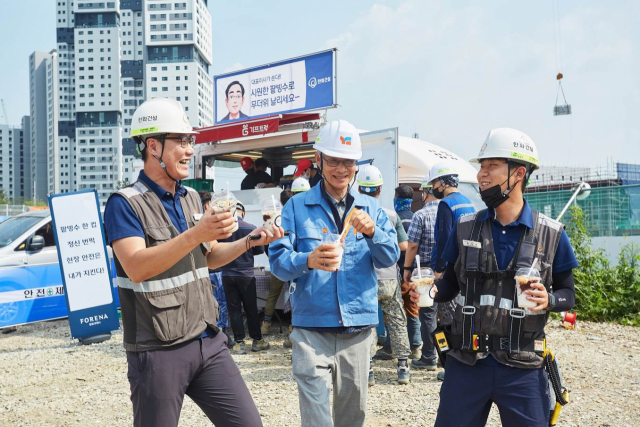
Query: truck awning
x=251, y=127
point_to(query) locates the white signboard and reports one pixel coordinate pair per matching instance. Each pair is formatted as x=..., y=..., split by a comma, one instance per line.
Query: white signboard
x=82, y=253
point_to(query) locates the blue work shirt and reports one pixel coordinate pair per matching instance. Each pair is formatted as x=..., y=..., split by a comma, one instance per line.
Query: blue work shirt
x=121, y=221
x=322, y=299
x=505, y=241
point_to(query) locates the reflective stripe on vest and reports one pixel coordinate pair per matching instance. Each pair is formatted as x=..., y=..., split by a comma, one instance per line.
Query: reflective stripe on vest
x=163, y=284
x=506, y=304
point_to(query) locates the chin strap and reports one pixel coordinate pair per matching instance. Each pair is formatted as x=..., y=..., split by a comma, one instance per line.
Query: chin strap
x=159, y=159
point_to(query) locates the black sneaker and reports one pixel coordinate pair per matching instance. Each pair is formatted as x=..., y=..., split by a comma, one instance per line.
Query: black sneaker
x=424, y=364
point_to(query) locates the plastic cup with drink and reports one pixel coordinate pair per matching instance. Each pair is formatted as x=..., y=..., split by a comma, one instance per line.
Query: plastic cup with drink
x=334, y=239
x=524, y=278
x=424, y=280
x=225, y=201
x=271, y=213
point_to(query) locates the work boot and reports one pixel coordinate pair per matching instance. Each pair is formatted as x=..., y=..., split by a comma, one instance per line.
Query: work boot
x=259, y=345
x=416, y=352
x=265, y=327
x=287, y=343
x=424, y=364
x=383, y=354
x=372, y=379
x=240, y=347
x=230, y=339
x=440, y=376
x=404, y=374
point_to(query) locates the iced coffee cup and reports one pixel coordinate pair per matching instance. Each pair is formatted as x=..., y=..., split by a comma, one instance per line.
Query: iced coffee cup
x=524, y=278
x=271, y=214
x=334, y=239
x=223, y=201
x=424, y=281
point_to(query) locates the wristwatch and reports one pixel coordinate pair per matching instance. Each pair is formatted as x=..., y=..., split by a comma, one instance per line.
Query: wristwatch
x=552, y=302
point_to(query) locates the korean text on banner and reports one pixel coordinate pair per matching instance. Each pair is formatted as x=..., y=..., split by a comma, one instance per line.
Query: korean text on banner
x=84, y=263
x=300, y=84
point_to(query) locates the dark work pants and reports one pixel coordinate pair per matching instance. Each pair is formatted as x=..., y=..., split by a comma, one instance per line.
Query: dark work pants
x=428, y=324
x=522, y=395
x=241, y=292
x=203, y=370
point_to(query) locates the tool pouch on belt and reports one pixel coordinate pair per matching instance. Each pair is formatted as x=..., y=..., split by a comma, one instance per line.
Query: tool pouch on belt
x=439, y=337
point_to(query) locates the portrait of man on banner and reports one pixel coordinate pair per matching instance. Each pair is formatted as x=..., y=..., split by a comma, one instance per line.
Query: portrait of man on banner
x=234, y=101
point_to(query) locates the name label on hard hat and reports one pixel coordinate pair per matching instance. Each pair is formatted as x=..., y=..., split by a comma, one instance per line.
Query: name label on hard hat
x=471, y=244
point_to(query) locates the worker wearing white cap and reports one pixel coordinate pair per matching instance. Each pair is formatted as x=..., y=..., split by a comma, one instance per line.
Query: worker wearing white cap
x=334, y=302
x=497, y=340
x=163, y=248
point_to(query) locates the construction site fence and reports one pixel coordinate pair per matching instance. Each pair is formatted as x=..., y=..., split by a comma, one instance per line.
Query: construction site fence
x=609, y=211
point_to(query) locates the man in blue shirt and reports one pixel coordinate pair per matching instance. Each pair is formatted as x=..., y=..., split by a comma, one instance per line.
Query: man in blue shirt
x=496, y=346
x=163, y=247
x=335, y=300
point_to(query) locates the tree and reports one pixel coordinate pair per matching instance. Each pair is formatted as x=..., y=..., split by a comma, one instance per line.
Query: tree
x=3, y=198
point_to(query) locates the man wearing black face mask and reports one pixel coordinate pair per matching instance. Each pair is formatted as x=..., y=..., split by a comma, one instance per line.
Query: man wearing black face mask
x=444, y=179
x=495, y=345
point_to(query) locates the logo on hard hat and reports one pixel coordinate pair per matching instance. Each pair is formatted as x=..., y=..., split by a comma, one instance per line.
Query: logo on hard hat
x=345, y=141
x=484, y=147
x=147, y=119
x=313, y=82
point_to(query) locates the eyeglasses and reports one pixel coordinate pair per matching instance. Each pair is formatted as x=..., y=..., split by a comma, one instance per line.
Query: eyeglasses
x=331, y=162
x=235, y=96
x=185, y=140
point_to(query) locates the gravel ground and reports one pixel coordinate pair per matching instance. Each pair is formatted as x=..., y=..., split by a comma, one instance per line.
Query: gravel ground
x=47, y=379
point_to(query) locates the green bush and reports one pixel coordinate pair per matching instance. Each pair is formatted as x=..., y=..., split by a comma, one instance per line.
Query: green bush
x=604, y=292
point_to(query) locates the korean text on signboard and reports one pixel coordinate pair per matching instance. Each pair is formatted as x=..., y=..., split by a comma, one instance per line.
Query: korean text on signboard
x=301, y=84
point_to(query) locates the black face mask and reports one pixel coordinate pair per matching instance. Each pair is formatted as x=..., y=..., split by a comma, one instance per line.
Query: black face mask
x=438, y=194
x=494, y=197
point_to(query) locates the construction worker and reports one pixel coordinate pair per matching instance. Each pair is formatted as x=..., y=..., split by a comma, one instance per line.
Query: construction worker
x=421, y=242
x=163, y=245
x=496, y=346
x=444, y=186
x=370, y=182
x=300, y=185
x=334, y=303
x=305, y=169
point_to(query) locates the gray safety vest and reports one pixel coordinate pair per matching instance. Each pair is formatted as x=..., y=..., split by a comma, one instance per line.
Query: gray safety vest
x=178, y=304
x=494, y=296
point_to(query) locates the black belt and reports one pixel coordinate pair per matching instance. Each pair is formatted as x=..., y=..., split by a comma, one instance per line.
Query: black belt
x=483, y=343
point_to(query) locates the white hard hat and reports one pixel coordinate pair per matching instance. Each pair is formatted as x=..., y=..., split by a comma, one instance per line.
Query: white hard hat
x=160, y=115
x=340, y=139
x=369, y=176
x=441, y=169
x=509, y=144
x=299, y=185
x=426, y=182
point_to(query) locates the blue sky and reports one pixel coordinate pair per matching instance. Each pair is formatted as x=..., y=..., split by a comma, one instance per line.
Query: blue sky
x=450, y=71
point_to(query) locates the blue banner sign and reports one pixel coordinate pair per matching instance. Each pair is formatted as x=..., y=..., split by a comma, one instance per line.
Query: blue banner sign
x=300, y=84
x=84, y=263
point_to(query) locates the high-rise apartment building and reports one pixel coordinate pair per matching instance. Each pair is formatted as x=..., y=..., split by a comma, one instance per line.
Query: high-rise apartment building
x=14, y=153
x=111, y=56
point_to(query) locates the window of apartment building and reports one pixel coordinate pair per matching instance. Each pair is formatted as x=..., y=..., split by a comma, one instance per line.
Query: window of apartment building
x=164, y=89
x=154, y=89
x=164, y=79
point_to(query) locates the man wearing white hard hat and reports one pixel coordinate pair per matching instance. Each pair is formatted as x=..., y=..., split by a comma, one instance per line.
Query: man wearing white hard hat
x=497, y=338
x=300, y=185
x=163, y=246
x=334, y=302
x=369, y=180
x=444, y=186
